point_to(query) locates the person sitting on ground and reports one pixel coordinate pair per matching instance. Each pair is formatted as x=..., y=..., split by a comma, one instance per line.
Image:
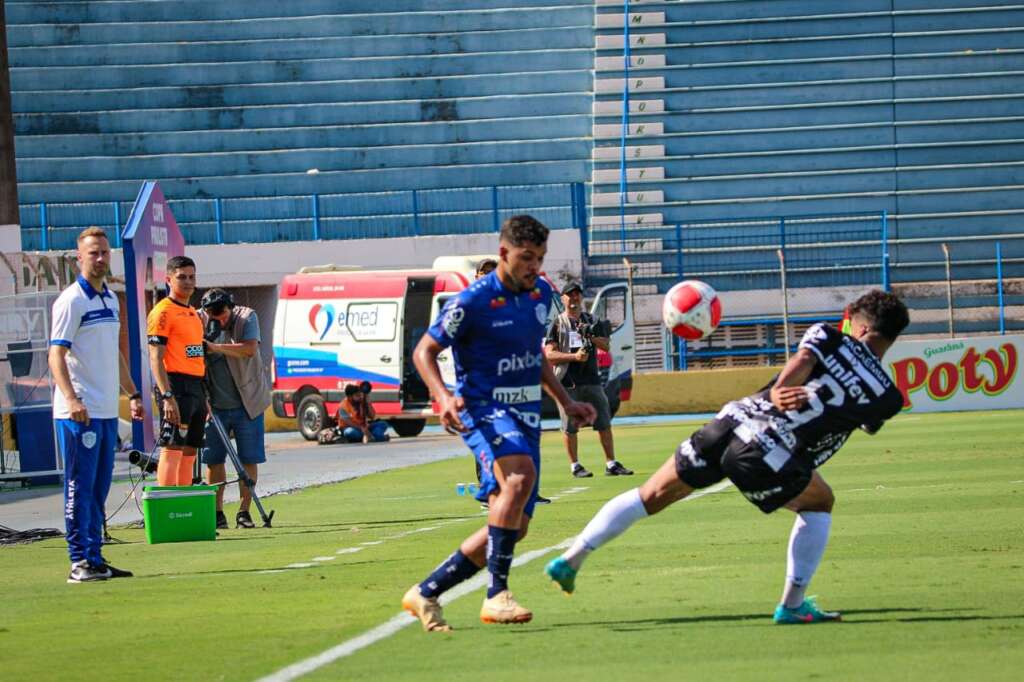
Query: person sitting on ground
x=357, y=418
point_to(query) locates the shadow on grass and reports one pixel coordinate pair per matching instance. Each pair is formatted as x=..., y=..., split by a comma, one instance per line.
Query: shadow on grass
x=766, y=618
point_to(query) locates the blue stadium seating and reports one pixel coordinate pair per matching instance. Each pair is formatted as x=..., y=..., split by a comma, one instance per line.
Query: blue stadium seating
x=903, y=108
x=770, y=107
x=233, y=100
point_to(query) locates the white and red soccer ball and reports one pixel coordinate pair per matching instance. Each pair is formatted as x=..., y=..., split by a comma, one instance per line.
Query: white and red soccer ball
x=691, y=310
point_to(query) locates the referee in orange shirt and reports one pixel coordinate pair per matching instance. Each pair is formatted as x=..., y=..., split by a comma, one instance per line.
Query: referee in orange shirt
x=176, y=359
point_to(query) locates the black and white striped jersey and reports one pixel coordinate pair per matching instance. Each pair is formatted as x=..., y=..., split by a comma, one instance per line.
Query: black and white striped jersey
x=847, y=389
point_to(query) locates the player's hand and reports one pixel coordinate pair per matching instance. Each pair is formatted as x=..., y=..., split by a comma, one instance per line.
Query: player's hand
x=138, y=412
x=171, y=414
x=581, y=413
x=450, y=407
x=78, y=412
x=787, y=398
x=582, y=355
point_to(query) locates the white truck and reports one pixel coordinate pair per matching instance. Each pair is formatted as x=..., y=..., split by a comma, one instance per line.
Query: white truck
x=336, y=325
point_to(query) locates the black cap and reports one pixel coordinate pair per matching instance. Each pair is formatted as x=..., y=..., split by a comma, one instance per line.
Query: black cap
x=216, y=297
x=572, y=286
x=365, y=386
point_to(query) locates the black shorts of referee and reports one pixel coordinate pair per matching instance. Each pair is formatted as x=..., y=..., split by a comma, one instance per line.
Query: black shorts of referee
x=191, y=398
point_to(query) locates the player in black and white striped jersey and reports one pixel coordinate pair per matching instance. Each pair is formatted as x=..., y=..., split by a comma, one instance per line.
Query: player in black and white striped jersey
x=770, y=444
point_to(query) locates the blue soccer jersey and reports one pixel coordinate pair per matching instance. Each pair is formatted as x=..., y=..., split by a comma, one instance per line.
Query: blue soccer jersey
x=496, y=336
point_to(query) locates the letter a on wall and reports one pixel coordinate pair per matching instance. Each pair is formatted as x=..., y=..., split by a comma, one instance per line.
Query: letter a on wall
x=150, y=238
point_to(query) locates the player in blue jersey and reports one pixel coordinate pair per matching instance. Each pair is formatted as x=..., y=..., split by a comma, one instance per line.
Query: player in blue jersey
x=495, y=329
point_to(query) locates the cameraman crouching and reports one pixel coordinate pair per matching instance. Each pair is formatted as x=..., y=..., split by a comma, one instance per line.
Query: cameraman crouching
x=357, y=419
x=571, y=347
x=239, y=394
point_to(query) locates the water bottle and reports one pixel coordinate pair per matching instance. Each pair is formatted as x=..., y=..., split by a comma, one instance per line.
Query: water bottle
x=471, y=489
x=460, y=488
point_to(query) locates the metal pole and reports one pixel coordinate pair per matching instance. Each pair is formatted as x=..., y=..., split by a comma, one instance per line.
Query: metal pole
x=316, y=217
x=415, y=214
x=885, y=251
x=683, y=364
x=949, y=288
x=494, y=208
x=785, y=301
x=999, y=287
x=623, y=182
x=9, y=213
x=44, y=230
x=117, y=223
x=220, y=220
x=679, y=251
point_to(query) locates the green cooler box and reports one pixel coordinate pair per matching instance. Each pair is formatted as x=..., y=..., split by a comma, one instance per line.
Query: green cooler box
x=180, y=513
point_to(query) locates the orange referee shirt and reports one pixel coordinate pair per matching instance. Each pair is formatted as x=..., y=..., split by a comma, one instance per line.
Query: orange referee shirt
x=178, y=327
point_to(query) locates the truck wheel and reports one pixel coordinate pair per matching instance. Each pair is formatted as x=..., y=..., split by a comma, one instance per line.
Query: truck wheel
x=312, y=416
x=407, y=428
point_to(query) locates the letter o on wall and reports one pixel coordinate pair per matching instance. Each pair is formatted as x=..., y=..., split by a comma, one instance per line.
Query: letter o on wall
x=943, y=380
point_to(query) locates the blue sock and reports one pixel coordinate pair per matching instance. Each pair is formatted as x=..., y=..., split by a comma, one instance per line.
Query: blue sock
x=450, y=573
x=501, y=543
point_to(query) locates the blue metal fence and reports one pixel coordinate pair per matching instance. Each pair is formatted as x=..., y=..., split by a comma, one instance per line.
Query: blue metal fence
x=320, y=216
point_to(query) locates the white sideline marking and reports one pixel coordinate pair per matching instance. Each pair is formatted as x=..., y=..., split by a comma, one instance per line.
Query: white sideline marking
x=299, y=565
x=324, y=558
x=371, y=543
x=350, y=550
x=402, y=619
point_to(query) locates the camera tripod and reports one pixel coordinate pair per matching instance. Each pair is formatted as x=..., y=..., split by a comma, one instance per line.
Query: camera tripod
x=243, y=475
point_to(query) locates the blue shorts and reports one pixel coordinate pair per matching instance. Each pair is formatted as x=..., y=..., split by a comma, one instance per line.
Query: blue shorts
x=494, y=433
x=248, y=435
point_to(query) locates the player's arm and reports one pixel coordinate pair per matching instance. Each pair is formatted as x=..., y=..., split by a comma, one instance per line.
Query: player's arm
x=788, y=392
x=425, y=359
x=163, y=383
x=583, y=413
x=57, y=359
x=128, y=386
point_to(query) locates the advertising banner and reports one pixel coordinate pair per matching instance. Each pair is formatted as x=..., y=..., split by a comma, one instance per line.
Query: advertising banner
x=150, y=238
x=947, y=375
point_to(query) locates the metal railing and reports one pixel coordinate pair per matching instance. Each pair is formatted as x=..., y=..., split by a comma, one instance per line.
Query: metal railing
x=54, y=225
x=949, y=283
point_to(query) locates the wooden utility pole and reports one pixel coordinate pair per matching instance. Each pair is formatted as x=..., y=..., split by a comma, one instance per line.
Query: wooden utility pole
x=8, y=174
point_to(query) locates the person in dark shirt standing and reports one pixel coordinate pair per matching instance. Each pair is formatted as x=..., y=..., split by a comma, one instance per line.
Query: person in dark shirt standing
x=571, y=348
x=771, y=444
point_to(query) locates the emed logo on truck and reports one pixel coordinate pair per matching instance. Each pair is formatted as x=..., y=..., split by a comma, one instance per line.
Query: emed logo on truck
x=322, y=321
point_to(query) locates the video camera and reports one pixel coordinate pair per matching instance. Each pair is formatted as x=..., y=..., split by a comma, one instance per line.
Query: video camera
x=587, y=330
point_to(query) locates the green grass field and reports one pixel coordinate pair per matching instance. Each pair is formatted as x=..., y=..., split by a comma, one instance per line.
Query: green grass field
x=926, y=562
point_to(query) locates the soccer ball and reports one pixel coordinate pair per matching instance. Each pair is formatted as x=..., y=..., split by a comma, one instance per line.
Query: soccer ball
x=691, y=310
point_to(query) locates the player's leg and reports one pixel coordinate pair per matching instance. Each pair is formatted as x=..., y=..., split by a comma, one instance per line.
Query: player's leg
x=603, y=425
x=79, y=475
x=694, y=465
x=774, y=480
x=193, y=413
x=104, y=477
x=807, y=543
x=252, y=452
x=508, y=518
x=421, y=600
x=214, y=456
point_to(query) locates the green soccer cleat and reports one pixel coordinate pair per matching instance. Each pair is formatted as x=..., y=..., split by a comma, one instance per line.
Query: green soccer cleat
x=559, y=570
x=805, y=614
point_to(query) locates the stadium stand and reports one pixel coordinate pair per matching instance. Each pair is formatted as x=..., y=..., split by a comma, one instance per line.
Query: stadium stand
x=232, y=100
x=746, y=111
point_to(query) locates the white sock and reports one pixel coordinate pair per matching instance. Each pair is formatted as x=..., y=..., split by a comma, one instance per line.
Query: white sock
x=806, y=546
x=618, y=514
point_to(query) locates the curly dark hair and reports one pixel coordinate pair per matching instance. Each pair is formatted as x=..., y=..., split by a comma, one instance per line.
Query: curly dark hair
x=885, y=312
x=522, y=229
